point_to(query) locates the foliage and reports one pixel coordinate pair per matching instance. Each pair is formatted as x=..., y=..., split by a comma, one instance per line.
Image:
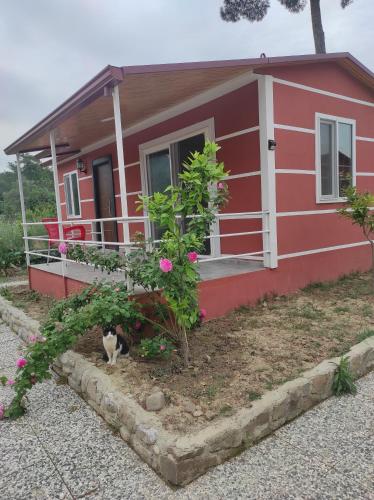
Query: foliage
x=11, y=246
x=343, y=379
x=102, y=304
x=156, y=347
x=365, y=334
x=184, y=213
x=37, y=185
x=358, y=209
x=256, y=10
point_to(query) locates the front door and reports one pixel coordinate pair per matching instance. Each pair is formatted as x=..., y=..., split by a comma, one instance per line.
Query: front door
x=104, y=200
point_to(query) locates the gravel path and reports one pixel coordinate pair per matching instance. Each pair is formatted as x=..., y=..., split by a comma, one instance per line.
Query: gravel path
x=62, y=449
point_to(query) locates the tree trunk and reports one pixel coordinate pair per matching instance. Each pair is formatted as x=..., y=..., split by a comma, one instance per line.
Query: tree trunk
x=319, y=36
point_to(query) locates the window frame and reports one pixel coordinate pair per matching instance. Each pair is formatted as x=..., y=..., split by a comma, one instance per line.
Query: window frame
x=74, y=214
x=205, y=127
x=335, y=120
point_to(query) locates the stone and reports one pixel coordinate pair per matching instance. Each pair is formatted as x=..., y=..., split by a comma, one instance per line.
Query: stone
x=197, y=413
x=189, y=406
x=155, y=402
x=146, y=434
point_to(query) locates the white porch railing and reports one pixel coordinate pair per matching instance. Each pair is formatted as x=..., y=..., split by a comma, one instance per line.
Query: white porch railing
x=98, y=240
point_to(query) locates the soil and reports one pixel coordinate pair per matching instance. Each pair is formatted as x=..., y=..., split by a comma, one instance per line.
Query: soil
x=237, y=358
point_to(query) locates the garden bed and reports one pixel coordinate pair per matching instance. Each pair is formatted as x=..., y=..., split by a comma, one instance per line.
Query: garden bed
x=236, y=359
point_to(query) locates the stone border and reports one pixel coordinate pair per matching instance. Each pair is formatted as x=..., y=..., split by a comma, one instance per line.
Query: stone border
x=182, y=458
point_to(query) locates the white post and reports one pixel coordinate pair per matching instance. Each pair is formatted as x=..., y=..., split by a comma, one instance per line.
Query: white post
x=268, y=187
x=121, y=162
x=52, y=141
x=23, y=211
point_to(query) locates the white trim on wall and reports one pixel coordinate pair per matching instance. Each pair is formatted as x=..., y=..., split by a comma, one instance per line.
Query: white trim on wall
x=238, y=133
x=294, y=171
x=241, y=176
x=367, y=139
x=323, y=249
x=365, y=174
x=323, y=92
x=88, y=200
x=292, y=128
x=307, y=212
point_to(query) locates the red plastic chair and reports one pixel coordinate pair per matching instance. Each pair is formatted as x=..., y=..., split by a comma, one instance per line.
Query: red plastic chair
x=69, y=232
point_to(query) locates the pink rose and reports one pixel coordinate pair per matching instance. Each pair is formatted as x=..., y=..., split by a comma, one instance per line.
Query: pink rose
x=117, y=289
x=202, y=313
x=10, y=381
x=162, y=347
x=21, y=362
x=220, y=185
x=138, y=324
x=63, y=248
x=192, y=257
x=33, y=338
x=166, y=265
x=2, y=409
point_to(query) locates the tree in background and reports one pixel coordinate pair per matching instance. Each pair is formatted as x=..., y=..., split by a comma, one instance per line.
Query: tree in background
x=256, y=10
x=37, y=185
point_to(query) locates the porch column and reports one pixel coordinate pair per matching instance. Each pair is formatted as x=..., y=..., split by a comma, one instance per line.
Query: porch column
x=121, y=162
x=267, y=157
x=52, y=141
x=23, y=211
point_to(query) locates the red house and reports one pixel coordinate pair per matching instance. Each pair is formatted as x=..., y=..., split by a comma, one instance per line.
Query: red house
x=293, y=132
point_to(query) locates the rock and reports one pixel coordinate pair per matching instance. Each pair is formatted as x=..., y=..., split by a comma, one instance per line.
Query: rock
x=147, y=434
x=207, y=358
x=189, y=406
x=197, y=413
x=155, y=402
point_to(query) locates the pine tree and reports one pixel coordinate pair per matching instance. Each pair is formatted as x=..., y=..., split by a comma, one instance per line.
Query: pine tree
x=256, y=10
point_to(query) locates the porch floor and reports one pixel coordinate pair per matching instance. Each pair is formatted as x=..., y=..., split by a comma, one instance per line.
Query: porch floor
x=208, y=271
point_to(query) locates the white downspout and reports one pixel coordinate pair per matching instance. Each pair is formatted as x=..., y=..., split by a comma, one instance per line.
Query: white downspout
x=52, y=141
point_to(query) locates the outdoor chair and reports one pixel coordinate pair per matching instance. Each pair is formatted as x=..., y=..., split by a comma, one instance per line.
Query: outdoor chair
x=70, y=233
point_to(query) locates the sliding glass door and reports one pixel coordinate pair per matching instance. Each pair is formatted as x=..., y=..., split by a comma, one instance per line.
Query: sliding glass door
x=163, y=167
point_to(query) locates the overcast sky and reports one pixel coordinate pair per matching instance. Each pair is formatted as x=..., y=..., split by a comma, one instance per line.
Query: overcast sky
x=49, y=48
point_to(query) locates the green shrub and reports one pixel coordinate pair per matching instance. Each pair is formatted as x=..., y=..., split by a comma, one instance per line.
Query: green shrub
x=11, y=246
x=343, y=379
x=156, y=347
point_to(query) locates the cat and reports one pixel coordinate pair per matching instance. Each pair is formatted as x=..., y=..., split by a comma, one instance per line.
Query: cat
x=114, y=345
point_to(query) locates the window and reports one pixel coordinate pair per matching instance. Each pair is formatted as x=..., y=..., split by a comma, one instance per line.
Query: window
x=335, y=156
x=72, y=194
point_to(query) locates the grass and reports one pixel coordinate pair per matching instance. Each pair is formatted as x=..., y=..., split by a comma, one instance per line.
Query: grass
x=253, y=395
x=365, y=334
x=343, y=379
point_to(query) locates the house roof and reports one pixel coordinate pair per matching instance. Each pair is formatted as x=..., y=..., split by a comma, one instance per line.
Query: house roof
x=86, y=116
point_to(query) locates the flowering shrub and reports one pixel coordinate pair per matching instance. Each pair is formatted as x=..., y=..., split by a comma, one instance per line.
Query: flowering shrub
x=100, y=304
x=156, y=347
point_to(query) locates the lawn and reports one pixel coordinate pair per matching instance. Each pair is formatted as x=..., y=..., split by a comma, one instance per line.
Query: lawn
x=237, y=358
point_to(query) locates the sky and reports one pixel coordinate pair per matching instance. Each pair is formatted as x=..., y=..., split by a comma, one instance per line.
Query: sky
x=50, y=48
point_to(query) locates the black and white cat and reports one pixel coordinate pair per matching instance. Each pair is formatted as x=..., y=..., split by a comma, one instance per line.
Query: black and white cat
x=114, y=345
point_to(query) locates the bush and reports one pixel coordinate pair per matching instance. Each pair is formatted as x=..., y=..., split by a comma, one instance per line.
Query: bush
x=156, y=347
x=11, y=246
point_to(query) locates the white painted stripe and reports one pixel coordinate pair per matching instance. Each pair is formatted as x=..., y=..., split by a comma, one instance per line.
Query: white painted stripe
x=322, y=250
x=132, y=164
x=323, y=92
x=239, y=132
x=85, y=178
x=88, y=200
x=306, y=212
x=61, y=184
x=129, y=194
x=368, y=139
x=240, y=176
x=295, y=129
x=63, y=203
x=365, y=174
x=294, y=171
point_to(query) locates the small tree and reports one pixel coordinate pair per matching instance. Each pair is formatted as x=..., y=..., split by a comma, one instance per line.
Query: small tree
x=358, y=210
x=185, y=213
